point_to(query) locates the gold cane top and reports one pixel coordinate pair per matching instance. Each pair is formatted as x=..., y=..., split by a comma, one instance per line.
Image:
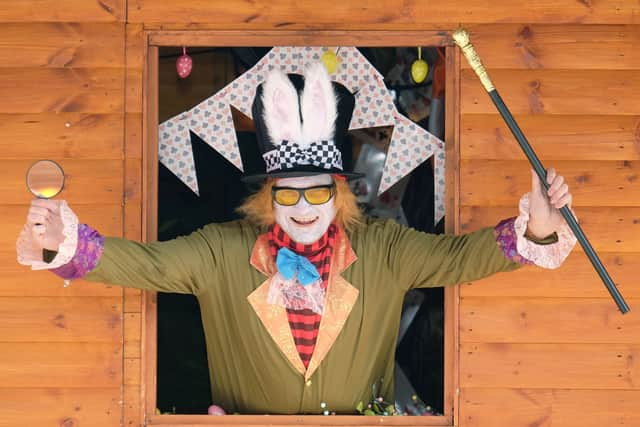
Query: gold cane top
x=461, y=38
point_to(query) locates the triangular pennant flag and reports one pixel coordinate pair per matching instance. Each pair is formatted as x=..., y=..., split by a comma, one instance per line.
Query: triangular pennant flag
x=411, y=145
x=374, y=106
x=408, y=148
x=212, y=121
x=354, y=70
x=175, y=151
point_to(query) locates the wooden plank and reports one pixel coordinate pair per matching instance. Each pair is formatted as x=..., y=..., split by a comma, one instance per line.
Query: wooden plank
x=555, y=92
x=133, y=182
x=453, y=148
x=567, y=47
x=373, y=37
x=486, y=136
x=452, y=225
x=55, y=45
x=135, y=50
x=150, y=225
x=360, y=14
x=96, y=407
x=37, y=90
x=86, y=181
x=76, y=365
x=548, y=407
x=132, y=300
x=150, y=148
x=149, y=366
x=61, y=135
x=132, y=415
x=69, y=11
x=132, y=350
x=576, y=278
x=18, y=281
x=546, y=320
x=617, y=406
x=609, y=229
x=133, y=94
x=132, y=372
x=132, y=335
x=134, y=45
x=592, y=183
x=135, y=39
x=133, y=220
x=68, y=319
x=133, y=135
x=571, y=366
x=289, y=420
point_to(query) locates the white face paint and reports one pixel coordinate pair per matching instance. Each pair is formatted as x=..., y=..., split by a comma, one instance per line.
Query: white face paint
x=303, y=222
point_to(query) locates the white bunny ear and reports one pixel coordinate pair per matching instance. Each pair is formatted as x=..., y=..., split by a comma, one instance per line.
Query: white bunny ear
x=281, y=108
x=318, y=101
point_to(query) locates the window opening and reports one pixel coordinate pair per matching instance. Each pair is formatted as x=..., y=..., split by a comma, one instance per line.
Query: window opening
x=182, y=378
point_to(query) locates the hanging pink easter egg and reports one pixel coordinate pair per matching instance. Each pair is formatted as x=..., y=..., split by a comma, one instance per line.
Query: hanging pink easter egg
x=184, y=64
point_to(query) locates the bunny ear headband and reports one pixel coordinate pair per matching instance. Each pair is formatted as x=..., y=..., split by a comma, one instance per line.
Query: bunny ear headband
x=301, y=125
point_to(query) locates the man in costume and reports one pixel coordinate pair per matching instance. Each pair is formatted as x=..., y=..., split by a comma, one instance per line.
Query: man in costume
x=301, y=300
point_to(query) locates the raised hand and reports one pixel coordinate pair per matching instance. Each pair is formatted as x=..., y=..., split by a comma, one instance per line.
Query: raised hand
x=44, y=224
x=544, y=216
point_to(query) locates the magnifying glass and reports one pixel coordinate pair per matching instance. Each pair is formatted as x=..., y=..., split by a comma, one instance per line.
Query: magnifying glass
x=45, y=180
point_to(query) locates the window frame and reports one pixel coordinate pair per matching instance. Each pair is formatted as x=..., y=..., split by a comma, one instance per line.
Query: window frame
x=153, y=40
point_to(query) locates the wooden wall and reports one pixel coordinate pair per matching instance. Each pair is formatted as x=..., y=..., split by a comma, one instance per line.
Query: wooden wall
x=550, y=348
x=62, y=80
x=536, y=348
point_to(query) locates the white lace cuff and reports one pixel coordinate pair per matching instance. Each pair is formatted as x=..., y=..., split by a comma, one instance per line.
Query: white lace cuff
x=546, y=256
x=29, y=254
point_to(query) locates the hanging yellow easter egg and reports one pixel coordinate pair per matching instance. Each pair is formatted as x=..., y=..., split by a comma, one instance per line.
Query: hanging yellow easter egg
x=419, y=70
x=330, y=61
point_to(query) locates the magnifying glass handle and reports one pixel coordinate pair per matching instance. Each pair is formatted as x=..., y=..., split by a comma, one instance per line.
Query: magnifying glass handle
x=48, y=255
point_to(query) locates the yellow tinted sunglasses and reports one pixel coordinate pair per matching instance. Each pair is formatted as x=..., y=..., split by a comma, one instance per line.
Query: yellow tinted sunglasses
x=290, y=196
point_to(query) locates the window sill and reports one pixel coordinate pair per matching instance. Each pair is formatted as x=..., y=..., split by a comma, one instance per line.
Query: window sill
x=287, y=420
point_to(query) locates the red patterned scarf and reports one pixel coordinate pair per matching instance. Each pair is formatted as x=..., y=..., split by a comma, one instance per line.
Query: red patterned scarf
x=305, y=324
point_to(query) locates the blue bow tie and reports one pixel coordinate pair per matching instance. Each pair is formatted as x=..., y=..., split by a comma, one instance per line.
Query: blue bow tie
x=289, y=263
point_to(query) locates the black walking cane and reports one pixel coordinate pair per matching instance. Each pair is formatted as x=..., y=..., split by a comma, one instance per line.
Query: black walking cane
x=461, y=38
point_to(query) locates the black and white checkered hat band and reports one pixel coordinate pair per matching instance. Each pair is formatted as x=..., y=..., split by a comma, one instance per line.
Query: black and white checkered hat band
x=322, y=154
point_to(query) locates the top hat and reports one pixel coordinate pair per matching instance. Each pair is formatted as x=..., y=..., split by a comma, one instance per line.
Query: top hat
x=301, y=125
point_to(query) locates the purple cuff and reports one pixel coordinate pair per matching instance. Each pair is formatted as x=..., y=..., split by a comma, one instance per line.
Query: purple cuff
x=88, y=253
x=507, y=240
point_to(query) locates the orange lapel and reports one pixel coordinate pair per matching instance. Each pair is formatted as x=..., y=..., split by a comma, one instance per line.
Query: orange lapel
x=340, y=299
x=273, y=317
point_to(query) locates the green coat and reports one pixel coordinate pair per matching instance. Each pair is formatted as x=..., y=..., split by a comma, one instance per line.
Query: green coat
x=253, y=362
